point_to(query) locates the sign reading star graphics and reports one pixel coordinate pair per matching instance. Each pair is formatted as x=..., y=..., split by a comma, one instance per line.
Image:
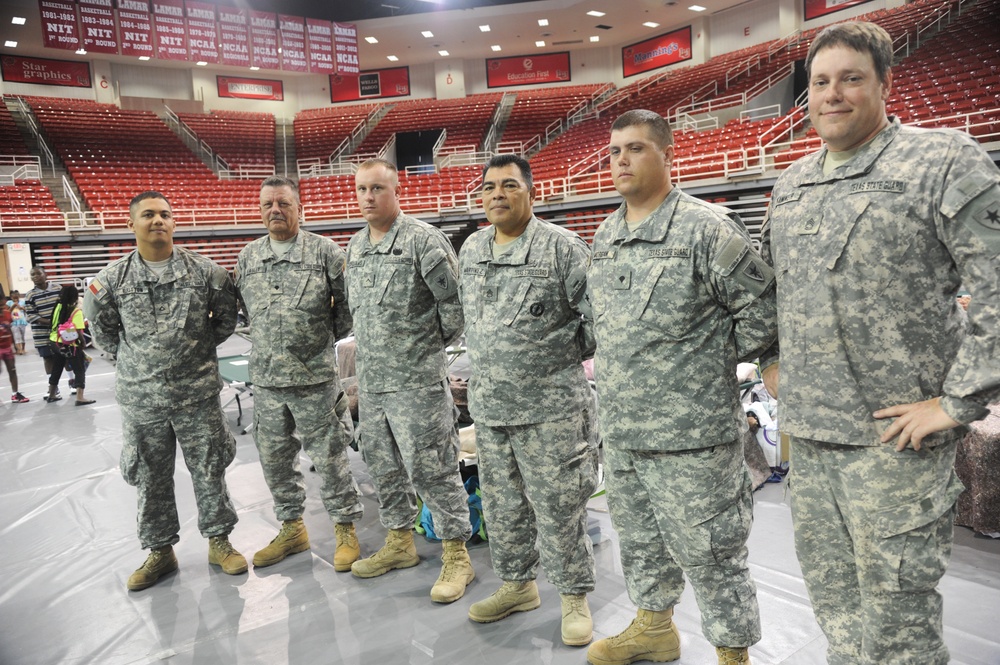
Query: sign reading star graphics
x=16, y=69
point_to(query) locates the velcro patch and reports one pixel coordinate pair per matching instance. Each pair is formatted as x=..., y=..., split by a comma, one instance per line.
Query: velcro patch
x=531, y=272
x=894, y=186
x=669, y=252
x=731, y=254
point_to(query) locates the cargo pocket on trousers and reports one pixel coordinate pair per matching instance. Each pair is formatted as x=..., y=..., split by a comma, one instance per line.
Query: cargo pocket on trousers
x=914, y=541
x=129, y=464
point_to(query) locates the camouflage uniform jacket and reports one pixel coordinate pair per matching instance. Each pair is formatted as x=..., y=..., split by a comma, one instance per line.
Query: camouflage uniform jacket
x=528, y=325
x=677, y=303
x=293, y=326
x=404, y=298
x=163, y=330
x=868, y=261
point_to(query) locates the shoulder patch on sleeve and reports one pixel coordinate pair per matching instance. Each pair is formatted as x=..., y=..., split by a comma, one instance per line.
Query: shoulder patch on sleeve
x=99, y=291
x=730, y=255
x=964, y=190
x=441, y=281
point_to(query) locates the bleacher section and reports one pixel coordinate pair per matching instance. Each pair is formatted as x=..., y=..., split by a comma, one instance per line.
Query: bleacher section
x=536, y=111
x=241, y=138
x=320, y=132
x=467, y=120
x=10, y=137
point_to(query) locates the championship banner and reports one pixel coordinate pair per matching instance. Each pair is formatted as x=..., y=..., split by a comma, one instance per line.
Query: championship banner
x=244, y=88
x=371, y=84
x=97, y=25
x=202, y=33
x=345, y=48
x=59, y=24
x=657, y=52
x=234, y=36
x=43, y=71
x=527, y=69
x=319, y=34
x=135, y=28
x=293, y=43
x=817, y=8
x=171, y=37
x=264, y=39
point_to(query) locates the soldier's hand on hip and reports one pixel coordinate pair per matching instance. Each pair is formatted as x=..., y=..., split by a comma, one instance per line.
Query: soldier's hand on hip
x=915, y=421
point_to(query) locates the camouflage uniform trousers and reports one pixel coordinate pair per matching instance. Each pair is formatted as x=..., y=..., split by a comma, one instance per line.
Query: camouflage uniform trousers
x=873, y=533
x=315, y=419
x=536, y=481
x=687, y=512
x=149, y=448
x=409, y=442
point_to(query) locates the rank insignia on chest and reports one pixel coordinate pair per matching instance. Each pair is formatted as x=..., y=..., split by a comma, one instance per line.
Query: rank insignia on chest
x=368, y=280
x=490, y=293
x=622, y=280
x=807, y=227
x=537, y=309
x=397, y=251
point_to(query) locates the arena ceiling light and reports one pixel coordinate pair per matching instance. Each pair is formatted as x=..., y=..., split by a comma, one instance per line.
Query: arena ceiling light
x=595, y=38
x=427, y=34
x=540, y=43
x=495, y=47
x=81, y=51
x=696, y=8
x=144, y=57
x=651, y=24
x=10, y=44
x=371, y=40
x=543, y=22
x=595, y=13
x=484, y=28
x=443, y=54
x=201, y=63
x=18, y=20
x=255, y=68
x=391, y=58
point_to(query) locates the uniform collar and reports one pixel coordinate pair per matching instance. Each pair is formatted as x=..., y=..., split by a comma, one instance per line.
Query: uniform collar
x=862, y=162
x=654, y=229
x=384, y=245
x=518, y=256
x=294, y=255
x=175, y=269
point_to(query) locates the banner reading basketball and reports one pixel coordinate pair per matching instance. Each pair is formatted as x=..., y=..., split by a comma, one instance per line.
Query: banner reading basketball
x=657, y=52
x=527, y=69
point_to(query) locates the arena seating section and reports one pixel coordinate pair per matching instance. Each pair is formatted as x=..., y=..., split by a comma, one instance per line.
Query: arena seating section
x=951, y=79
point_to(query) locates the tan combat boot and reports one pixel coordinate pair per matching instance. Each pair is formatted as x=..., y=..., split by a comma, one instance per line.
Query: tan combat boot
x=509, y=598
x=222, y=553
x=398, y=552
x=651, y=636
x=348, y=551
x=159, y=562
x=577, y=626
x=292, y=538
x=456, y=572
x=733, y=655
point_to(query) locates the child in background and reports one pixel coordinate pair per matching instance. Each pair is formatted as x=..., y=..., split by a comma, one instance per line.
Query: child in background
x=19, y=326
x=7, y=349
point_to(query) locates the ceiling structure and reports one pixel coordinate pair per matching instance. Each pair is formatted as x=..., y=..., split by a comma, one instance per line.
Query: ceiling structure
x=397, y=25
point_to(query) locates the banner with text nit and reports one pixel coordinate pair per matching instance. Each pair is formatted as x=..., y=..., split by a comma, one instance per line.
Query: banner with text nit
x=202, y=33
x=171, y=35
x=97, y=26
x=264, y=39
x=319, y=34
x=370, y=84
x=59, y=24
x=345, y=48
x=234, y=36
x=527, y=69
x=657, y=52
x=44, y=71
x=293, y=43
x=244, y=88
x=817, y=8
x=135, y=28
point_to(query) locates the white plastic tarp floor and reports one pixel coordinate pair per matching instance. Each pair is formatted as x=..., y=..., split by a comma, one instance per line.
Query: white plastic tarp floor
x=68, y=543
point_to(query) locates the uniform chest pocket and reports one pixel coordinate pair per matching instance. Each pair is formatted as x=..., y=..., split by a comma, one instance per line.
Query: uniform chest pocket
x=668, y=299
x=310, y=290
x=531, y=311
x=385, y=280
x=866, y=244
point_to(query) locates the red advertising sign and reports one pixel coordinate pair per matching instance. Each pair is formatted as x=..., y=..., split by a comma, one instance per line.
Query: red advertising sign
x=345, y=48
x=135, y=28
x=16, y=69
x=203, y=36
x=319, y=34
x=171, y=37
x=527, y=69
x=263, y=39
x=376, y=83
x=817, y=8
x=293, y=43
x=244, y=88
x=59, y=24
x=97, y=25
x=657, y=52
x=234, y=37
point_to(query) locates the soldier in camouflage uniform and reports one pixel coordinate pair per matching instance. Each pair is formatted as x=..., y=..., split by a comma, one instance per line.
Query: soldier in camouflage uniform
x=161, y=311
x=292, y=283
x=529, y=328
x=679, y=297
x=870, y=239
x=403, y=285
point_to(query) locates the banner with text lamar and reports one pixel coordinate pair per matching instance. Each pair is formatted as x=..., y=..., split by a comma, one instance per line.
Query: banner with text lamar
x=16, y=69
x=657, y=52
x=527, y=69
x=244, y=88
